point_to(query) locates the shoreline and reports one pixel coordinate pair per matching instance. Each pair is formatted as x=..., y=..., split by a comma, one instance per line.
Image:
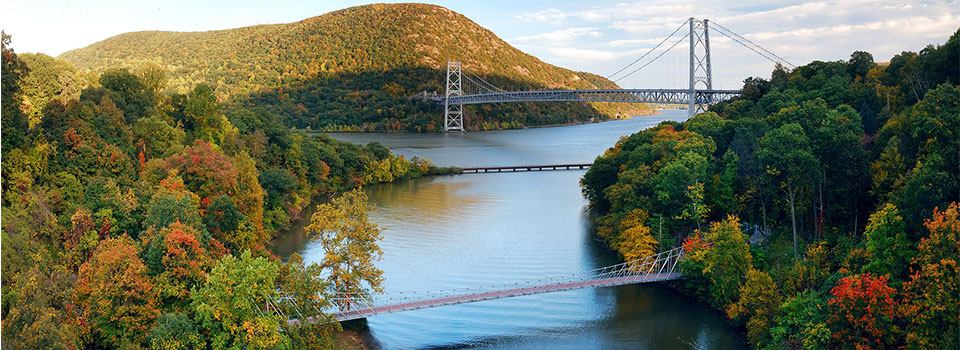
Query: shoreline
x=318, y=132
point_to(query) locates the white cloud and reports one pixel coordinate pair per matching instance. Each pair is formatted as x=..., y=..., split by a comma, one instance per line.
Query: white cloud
x=558, y=37
x=549, y=15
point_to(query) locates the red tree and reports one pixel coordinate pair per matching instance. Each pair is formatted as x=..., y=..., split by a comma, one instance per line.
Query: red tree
x=862, y=310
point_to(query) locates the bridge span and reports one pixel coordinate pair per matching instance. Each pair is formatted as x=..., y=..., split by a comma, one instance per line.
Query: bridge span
x=663, y=266
x=515, y=168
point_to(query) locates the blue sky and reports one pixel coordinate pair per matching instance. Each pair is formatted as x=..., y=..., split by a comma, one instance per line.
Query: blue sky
x=593, y=36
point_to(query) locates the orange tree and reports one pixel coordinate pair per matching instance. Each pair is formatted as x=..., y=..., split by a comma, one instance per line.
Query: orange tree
x=120, y=300
x=862, y=309
x=932, y=295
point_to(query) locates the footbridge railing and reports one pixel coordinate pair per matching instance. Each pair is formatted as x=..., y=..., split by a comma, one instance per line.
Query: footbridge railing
x=659, y=267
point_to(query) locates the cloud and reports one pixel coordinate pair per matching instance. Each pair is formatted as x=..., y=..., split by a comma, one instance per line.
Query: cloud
x=554, y=16
x=568, y=54
x=558, y=37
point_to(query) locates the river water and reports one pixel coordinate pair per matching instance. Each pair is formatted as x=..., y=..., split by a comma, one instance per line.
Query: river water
x=490, y=229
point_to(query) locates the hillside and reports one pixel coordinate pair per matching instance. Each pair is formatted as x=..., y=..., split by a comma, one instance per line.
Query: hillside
x=374, y=55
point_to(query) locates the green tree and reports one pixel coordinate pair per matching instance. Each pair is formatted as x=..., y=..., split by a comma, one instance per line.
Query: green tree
x=727, y=261
x=801, y=323
x=306, y=285
x=887, y=246
x=14, y=123
x=129, y=93
x=154, y=79
x=278, y=184
x=175, y=331
x=228, y=304
x=860, y=63
x=158, y=138
x=350, y=243
x=171, y=203
x=785, y=153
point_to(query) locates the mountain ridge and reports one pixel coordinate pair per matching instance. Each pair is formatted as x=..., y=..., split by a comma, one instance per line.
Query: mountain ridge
x=243, y=64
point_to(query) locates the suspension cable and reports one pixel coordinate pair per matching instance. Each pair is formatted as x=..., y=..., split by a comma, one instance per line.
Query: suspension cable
x=651, y=61
x=724, y=29
x=645, y=54
x=489, y=85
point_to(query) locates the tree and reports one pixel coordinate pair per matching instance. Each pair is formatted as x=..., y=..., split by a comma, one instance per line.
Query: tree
x=932, y=295
x=228, y=304
x=635, y=241
x=860, y=63
x=349, y=240
x=862, y=309
x=727, y=261
x=154, y=79
x=695, y=209
x=120, y=301
x=129, y=93
x=887, y=246
x=39, y=316
x=305, y=284
x=801, y=323
x=937, y=132
x=785, y=153
x=221, y=216
x=205, y=170
x=178, y=261
x=888, y=171
x=696, y=281
x=759, y=302
x=278, y=184
x=708, y=124
x=249, y=197
x=158, y=138
x=172, y=203
x=175, y=331
x=14, y=122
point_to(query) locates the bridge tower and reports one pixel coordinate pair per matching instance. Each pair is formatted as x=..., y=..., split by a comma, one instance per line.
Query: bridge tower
x=453, y=113
x=700, y=72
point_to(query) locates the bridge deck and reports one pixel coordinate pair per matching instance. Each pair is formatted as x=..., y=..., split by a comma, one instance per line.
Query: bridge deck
x=513, y=168
x=468, y=298
x=666, y=96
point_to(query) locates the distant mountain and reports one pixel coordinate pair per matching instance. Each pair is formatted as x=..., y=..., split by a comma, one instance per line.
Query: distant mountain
x=352, y=67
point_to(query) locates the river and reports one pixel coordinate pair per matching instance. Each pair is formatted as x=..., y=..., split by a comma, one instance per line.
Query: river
x=489, y=229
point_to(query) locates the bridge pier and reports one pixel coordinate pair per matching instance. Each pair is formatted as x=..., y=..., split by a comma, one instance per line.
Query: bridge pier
x=453, y=113
x=700, y=71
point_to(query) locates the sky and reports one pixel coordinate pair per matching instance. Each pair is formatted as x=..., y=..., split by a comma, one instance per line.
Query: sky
x=593, y=36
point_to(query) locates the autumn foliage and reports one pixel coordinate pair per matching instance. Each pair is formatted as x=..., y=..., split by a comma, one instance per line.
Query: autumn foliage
x=863, y=308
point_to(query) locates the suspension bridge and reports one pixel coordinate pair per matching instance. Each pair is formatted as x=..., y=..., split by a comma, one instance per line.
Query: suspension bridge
x=663, y=266
x=467, y=89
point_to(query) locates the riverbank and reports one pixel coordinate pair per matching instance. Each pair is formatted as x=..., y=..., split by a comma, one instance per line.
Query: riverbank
x=364, y=130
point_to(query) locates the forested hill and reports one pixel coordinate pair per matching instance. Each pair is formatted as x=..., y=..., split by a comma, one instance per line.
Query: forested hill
x=843, y=176
x=374, y=56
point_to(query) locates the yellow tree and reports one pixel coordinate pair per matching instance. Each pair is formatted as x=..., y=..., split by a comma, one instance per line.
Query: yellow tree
x=757, y=306
x=350, y=241
x=932, y=296
x=635, y=241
